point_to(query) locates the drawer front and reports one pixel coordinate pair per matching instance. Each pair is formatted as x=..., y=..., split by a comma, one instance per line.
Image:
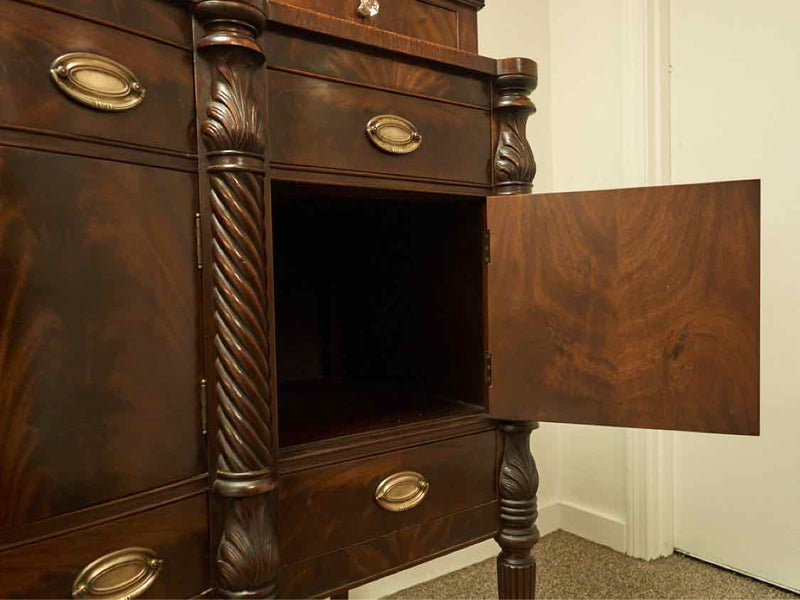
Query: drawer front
x=175, y=535
x=335, y=506
x=290, y=50
x=163, y=19
x=377, y=557
x=431, y=20
x=99, y=332
x=32, y=38
x=323, y=124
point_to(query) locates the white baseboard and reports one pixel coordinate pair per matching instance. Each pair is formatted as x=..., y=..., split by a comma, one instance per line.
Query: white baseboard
x=592, y=525
x=427, y=571
x=549, y=518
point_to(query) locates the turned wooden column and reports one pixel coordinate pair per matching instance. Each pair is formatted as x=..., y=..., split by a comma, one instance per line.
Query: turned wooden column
x=514, y=165
x=518, y=481
x=233, y=133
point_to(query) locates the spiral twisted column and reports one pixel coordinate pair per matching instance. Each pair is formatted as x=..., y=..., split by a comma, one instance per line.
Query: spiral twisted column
x=514, y=164
x=234, y=137
x=519, y=482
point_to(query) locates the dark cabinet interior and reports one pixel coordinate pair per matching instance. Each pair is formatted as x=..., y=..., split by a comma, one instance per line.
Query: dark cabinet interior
x=379, y=309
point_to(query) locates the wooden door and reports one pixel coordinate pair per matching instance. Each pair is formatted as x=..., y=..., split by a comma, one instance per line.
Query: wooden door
x=633, y=308
x=99, y=333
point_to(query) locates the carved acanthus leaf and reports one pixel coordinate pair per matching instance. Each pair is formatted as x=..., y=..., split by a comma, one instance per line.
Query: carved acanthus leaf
x=248, y=551
x=519, y=479
x=514, y=160
x=233, y=117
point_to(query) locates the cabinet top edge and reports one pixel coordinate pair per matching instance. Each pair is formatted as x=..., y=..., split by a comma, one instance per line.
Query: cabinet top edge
x=290, y=16
x=633, y=188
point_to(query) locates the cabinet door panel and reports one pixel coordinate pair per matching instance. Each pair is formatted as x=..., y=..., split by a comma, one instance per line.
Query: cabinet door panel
x=632, y=308
x=99, y=335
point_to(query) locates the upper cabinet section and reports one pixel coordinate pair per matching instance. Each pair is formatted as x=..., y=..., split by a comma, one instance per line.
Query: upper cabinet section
x=450, y=23
x=633, y=308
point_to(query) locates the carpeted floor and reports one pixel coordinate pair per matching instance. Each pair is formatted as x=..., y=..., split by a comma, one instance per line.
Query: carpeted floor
x=571, y=567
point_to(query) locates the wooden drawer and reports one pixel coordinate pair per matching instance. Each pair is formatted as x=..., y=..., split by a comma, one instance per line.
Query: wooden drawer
x=333, y=507
x=447, y=22
x=371, y=559
x=177, y=535
x=290, y=50
x=167, y=20
x=31, y=38
x=316, y=123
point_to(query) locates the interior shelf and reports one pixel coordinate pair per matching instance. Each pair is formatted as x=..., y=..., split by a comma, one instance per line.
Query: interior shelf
x=346, y=408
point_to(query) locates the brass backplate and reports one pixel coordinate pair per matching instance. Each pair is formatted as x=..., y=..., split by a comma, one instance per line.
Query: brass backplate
x=96, y=81
x=123, y=574
x=394, y=134
x=401, y=491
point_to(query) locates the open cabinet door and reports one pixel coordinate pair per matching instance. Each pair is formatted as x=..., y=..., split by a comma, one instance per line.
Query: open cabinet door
x=634, y=307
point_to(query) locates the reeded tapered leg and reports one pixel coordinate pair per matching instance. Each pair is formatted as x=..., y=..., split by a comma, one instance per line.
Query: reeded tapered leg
x=519, y=482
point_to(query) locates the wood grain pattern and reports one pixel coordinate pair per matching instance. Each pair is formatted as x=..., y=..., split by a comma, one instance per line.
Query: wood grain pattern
x=386, y=40
x=467, y=28
x=634, y=308
x=168, y=20
x=328, y=129
x=32, y=38
x=289, y=49
x=434, y=21
x=177, y=532
x=99, y=321
x=333, y=507
x=372, y=559
x=518, y=484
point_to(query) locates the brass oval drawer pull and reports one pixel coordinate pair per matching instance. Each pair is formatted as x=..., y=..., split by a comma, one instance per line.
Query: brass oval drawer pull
x=97, y=81
x=401, y=491
x=394, y=134
x=123, y=574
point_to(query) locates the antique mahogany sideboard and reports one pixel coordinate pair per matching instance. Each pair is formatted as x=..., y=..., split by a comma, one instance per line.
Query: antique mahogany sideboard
x=279, y=313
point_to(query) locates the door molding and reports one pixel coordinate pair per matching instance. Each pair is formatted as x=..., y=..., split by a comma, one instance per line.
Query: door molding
x=650, y=531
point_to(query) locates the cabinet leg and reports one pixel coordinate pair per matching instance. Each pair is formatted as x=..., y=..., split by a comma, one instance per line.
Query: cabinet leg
x=518, y=482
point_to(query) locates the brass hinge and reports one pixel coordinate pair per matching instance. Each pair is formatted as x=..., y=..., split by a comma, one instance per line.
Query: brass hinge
x=204, y=405
x=198, y=240
x=488, y=358
x=487, y=246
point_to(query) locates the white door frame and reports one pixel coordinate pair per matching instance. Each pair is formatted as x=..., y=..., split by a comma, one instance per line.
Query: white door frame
x=650, y=529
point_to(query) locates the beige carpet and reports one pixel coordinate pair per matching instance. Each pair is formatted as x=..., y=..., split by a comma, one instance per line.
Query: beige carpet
x=571, y=567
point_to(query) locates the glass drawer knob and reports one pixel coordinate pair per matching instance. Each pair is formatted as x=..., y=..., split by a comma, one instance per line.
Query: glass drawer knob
x=368, y=8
